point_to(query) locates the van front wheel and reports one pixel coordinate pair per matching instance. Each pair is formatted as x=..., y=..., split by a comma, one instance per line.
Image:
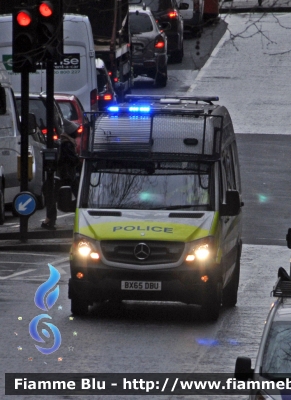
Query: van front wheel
x=229, y=297
x=79, y=306
x=211, y=303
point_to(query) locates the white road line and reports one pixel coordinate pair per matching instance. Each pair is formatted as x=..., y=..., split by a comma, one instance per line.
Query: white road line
x=16, y=274
x=18, y=262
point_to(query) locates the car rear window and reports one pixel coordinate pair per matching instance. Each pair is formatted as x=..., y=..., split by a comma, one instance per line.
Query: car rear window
x=68, y=110
x=38, y=108
x=158, y=5
x=139, y=23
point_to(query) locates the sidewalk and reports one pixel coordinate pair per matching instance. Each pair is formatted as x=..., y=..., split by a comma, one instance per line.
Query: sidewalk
x=246, y=6
x=37, y=238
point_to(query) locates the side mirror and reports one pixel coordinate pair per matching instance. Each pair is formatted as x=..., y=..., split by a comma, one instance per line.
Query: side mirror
x=64, y=201
x=32, y=124
x=243, y=370
x=232, y=205
x=2, y=101
x=288, y=238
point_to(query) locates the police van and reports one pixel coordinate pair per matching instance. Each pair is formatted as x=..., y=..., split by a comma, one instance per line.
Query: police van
x=158, y=214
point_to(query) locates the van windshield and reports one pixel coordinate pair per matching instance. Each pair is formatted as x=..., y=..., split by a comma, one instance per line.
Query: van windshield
x=181, y=185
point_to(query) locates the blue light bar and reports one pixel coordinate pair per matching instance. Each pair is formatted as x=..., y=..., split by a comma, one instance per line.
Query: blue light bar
x=113, y=109
x=141, y=109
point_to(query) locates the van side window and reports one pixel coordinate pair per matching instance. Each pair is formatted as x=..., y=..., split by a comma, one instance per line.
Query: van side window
x=236, y=166
x=7, y=124
x=229, y=169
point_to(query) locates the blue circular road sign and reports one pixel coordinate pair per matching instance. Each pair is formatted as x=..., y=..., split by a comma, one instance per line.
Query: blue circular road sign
x=24, y=203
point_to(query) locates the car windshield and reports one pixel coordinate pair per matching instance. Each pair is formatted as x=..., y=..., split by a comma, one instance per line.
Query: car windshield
x=139, y=23
x=277, y=353
x=38, y=108
x=179, y=185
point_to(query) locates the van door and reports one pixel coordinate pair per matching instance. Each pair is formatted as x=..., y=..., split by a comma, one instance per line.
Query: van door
x=230, y=225
x=9, y=147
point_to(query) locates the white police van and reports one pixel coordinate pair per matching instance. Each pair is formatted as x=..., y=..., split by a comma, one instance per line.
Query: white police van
x=158, y=214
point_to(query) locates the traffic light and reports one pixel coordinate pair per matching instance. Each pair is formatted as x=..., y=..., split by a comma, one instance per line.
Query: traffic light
x=50, y=29
x=24, y=39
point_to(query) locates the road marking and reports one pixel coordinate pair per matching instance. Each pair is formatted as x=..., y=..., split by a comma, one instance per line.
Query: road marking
x=16, y=274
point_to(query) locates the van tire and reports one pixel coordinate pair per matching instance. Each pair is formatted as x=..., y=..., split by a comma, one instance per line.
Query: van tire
x=211, y=303
x=79, y=306
x=229, y=296
x=2, y=207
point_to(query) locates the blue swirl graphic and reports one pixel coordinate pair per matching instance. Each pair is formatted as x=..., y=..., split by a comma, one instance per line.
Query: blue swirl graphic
x=41, y=292
x=35, y=335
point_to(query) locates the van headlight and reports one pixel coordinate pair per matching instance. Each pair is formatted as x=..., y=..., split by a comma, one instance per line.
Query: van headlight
x=84, y=248
x=200, y=250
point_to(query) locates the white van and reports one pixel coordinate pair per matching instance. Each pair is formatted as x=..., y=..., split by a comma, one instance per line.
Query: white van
x=192, y=13
x=10, y=149
x=76, y=74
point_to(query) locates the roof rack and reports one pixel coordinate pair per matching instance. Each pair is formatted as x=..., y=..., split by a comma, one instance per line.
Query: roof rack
x=206, y=99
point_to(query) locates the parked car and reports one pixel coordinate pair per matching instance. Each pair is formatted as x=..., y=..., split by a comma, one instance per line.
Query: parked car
x=73, y=110
x=106, y=95
x=149, y=45
x=37, y=106
x=167, y=14
x=192, y=13
x=273, y=362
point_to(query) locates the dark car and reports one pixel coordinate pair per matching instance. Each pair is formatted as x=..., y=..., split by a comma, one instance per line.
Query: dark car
x=149, y=45
x=37, y=106
x=106, y=95
x=167, y=14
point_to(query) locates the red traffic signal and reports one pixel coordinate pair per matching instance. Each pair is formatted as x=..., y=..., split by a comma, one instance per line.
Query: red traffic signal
x=50, y=29
x=24, y=18
x=24, y=39
x=46, y=9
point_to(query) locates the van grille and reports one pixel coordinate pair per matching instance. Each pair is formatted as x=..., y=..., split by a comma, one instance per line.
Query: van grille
x=127, y=252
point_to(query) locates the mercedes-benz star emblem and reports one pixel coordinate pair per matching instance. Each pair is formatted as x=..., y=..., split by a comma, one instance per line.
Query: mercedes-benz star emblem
x=141, y=251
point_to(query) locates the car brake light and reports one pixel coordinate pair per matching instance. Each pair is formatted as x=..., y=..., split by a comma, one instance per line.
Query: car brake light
x=109, y=73
x=107, y=97
x=159, y=44
x=44, y=131
x=173, y=14
x=115, y=79
x=55, y=137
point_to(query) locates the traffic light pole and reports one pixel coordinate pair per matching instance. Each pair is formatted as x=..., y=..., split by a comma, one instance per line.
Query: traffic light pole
x=50, y=131
x=24, y=147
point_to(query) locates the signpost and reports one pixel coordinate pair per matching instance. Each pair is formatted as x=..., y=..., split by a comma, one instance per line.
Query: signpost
x=24, y=204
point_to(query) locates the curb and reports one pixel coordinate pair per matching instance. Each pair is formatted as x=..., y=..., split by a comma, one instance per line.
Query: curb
x=38, y=240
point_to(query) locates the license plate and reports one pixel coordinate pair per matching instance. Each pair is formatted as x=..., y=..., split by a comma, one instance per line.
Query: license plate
x=141, y=285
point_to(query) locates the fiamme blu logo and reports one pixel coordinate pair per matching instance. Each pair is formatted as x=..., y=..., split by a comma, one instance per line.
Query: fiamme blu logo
x=45, y=298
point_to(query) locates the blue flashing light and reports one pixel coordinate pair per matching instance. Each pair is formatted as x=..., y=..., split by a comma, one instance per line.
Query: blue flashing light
x=141, y=109
x=131, y=109
x=113, y=109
